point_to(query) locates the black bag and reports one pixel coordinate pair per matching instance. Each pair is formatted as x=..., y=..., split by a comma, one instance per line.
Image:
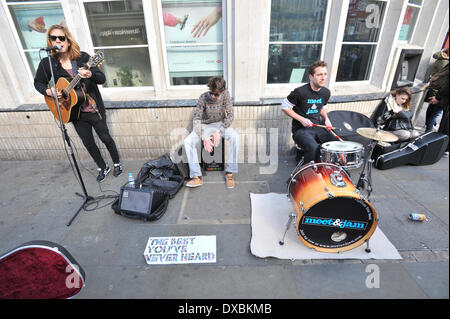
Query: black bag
x=158, y=181
x=347, y=122
x=160, y=174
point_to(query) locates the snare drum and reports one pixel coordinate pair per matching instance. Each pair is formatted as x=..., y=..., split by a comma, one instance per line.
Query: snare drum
x=331, y=214
x=347, y=154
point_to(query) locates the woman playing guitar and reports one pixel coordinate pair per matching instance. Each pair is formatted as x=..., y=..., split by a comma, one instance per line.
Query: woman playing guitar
x=89, y=111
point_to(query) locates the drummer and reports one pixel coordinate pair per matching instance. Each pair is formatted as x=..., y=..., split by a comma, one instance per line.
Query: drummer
x=307, y=106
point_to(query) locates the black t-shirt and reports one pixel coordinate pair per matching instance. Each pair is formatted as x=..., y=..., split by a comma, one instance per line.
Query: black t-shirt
x=308, y=103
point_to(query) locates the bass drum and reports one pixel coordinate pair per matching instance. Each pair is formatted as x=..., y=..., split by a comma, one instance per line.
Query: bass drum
x=331, y=214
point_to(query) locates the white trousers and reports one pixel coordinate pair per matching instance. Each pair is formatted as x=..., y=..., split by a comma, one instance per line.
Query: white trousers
x=192, y=146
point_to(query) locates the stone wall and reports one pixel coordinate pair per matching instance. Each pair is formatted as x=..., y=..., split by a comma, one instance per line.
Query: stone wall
x=145, y=133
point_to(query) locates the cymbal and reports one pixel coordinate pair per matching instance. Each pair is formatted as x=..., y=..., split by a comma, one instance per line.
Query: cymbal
x=377, y=135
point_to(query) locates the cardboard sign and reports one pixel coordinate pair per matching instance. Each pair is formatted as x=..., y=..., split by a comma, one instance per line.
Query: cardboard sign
x=180, y=250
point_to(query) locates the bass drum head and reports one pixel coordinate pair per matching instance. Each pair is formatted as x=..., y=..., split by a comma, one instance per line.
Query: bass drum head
x=337, y=224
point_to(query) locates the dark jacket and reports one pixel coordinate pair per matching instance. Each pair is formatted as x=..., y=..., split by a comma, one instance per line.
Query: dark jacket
x=393, y=122
x=442, y=96
x=43, y=77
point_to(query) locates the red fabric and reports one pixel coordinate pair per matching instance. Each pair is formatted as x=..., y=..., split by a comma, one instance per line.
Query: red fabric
x=37, y=273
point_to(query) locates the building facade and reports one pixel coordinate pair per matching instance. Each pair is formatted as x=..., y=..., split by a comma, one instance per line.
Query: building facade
x=160, y=53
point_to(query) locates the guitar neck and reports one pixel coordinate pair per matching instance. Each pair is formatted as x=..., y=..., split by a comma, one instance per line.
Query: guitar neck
x=74, y=82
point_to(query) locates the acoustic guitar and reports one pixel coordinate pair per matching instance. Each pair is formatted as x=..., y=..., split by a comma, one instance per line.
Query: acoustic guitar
x=72, y=97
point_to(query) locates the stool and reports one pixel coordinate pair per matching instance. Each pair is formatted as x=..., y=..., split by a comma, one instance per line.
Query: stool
x=214, y=161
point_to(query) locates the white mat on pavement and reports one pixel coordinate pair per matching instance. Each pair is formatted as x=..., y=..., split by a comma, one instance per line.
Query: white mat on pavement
x=270, y=214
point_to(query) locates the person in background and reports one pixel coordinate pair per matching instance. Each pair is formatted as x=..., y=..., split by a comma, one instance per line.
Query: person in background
x=397, y=117
x=434, y=110
x=441, y=99
x=213, y=116
x=67, y=62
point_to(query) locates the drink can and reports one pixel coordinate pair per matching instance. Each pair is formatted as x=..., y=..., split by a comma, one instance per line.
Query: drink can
x=418, y=216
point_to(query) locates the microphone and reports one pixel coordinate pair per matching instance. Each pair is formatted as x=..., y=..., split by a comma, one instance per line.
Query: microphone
x=56, y=47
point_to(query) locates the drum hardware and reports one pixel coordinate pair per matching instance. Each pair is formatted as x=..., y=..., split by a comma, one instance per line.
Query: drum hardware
x=290, y=179
x=377, y=134
x=330, y=194
x=291, y=217
x=365, y=178
x=302, y=207
x=337, y=179
x=368, y=250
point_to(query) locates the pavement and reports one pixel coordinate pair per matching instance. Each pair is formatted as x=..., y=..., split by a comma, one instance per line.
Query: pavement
x=37, y=200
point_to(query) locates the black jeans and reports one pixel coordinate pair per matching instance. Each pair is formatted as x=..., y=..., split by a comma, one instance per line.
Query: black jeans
x=84, y=126
x=309, y=139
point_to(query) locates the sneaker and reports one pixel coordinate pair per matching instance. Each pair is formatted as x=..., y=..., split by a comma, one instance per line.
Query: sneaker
x=195, y=182
x=102, y=173
x=117, y=170
x=229, y=180
x=445, y=155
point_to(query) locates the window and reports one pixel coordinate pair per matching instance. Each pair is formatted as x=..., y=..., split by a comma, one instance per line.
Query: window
x=118, y=29
x=296, y=39
x=31, y=21
x=410, y=19
x=361, y=36
x=193, y=38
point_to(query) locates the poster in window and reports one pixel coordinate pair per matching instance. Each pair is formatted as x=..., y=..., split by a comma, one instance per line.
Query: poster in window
x=193, y=34
x=32, y=22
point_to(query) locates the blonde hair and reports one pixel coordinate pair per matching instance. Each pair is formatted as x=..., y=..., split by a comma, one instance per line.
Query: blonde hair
x=74, y=49
x=404, y=91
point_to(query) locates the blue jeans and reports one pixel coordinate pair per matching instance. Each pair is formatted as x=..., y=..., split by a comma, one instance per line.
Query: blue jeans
x=433, y=113
x=192, y=146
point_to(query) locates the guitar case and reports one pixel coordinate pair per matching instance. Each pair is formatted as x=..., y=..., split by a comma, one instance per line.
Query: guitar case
x=40, y=270
x=426, y=149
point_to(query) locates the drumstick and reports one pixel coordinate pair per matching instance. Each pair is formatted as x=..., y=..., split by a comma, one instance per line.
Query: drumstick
x=330, y=128
x=324, y=126
x=340, y=139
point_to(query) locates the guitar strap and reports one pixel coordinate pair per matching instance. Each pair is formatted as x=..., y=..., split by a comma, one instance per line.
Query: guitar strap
x=91, y=101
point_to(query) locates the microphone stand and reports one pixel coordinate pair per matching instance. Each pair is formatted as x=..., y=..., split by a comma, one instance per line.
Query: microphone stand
x=86, y=197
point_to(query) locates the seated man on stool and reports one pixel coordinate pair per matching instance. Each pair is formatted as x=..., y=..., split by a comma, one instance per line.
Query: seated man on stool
x=307, y=105
x=213, y=116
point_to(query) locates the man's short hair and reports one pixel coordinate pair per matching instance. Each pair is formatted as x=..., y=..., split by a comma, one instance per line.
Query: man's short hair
x=312, y=67
x=217, y=83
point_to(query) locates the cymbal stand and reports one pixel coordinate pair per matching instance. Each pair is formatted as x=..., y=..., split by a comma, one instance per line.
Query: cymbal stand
x=365, y=179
